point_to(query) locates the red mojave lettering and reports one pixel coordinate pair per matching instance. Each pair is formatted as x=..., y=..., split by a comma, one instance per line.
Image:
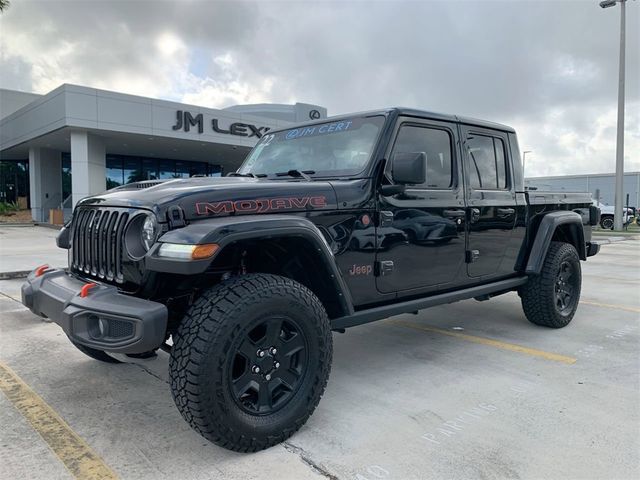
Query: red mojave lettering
x=262, y=205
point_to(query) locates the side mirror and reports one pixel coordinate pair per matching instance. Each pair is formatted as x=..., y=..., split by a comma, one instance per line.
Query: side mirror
x=409, y=168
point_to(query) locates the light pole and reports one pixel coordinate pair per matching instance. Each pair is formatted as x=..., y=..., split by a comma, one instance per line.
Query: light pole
x=617, y=218
x=524, y=155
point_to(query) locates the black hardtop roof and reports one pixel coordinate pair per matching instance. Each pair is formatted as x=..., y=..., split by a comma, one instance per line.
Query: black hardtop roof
x=413, y=112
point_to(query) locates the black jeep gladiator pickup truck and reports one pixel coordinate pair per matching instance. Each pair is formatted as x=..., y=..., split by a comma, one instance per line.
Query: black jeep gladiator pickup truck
x=325, y=226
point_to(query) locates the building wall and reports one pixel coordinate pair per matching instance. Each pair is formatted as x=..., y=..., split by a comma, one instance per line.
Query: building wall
x=99, y=110
x=604, y=183
x=84, y=125
x=12, y=100
x=300, y=112
x=88, y=165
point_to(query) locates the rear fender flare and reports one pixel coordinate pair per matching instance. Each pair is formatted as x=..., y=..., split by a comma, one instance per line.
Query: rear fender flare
x=571, y=221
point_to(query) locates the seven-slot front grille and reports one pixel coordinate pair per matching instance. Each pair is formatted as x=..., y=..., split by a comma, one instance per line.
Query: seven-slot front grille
x=98, y=242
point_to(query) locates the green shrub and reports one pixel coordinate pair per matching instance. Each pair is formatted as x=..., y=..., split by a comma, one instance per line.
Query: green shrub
x=6, y=207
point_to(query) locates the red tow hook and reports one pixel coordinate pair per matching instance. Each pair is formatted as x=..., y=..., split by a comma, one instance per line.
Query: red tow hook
x=41, y=269
x=84, y=291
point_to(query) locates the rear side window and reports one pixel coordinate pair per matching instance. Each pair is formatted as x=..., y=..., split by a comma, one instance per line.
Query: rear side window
x=487, y=163
x=436, y=144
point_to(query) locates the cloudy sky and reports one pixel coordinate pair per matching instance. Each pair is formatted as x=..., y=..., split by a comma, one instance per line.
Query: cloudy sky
x=549, y=68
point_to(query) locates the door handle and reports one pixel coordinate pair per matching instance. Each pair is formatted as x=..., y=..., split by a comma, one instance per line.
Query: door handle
x=505, y=212
x=475, y=215
x=385, y=218
x=453, y=213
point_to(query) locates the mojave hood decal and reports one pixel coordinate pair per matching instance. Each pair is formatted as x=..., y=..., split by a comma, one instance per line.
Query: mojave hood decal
x=261, y=205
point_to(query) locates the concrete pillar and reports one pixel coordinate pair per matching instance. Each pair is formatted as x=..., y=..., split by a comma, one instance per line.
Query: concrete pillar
x=88, y=165
x=45, y=182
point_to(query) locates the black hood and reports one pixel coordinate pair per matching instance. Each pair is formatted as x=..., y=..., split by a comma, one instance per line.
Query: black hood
x=206, y=196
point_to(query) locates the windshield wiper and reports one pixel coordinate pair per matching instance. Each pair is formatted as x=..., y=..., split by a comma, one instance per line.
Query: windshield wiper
x=297, y=174
x=251, y=175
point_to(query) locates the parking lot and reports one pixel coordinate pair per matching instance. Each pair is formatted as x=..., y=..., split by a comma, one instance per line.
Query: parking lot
x=468, y=390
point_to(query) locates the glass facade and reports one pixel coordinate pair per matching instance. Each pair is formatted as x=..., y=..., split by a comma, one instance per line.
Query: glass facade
x=122, y=169
x=14, y=182
x=66, y=176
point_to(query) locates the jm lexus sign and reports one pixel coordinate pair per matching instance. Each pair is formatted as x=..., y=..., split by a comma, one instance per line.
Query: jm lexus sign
x=185, y=120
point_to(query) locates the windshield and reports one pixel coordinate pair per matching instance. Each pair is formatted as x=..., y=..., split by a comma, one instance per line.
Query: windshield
x=338, y=148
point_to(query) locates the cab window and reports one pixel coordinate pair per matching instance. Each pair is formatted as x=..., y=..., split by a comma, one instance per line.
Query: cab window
x=436, y=144
x=487, y=163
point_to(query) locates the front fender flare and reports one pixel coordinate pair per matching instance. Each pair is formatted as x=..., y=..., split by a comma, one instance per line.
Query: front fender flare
x=226, y=230
x=548, y=226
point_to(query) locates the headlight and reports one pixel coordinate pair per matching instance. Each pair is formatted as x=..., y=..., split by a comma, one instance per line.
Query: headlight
x=187, y=252
x=141, y=234
x=149, y=231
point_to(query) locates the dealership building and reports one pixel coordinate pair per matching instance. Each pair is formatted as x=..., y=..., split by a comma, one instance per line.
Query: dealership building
x=76, y=141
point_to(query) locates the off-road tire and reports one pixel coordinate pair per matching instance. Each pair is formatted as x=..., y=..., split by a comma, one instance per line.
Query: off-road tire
x=200, y=362
x=538, y=294
x=95, y=354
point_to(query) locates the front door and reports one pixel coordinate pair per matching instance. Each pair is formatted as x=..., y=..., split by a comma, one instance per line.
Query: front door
x=491, y=201
x=421, y=232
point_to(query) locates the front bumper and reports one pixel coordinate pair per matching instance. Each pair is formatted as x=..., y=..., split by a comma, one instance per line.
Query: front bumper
x=105, y=319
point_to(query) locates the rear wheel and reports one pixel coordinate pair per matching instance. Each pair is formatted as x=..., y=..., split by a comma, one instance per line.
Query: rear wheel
x=95, y=354
x=551, y=298
x=250, y=361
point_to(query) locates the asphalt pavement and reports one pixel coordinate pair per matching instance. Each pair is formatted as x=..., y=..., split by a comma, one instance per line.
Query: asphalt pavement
x=23, y=248
x=468, y=390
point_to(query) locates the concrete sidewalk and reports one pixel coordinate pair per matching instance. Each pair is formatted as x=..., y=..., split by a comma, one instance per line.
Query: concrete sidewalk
x=613, y=238
x=23, y=248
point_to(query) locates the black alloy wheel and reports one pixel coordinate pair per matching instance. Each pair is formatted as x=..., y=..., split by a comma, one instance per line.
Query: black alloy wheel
x=267, y=365
x=250, y=361
x=565, y=287
x=607, y=222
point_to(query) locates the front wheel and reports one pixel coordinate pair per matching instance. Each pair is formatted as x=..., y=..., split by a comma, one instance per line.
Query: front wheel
x=551, y=298
x=250, y=361
x=606, y=222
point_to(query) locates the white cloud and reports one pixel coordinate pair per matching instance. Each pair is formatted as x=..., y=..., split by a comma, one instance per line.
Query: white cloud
x=560, y=147
x=169, y=45
x=212, y=93
x=547, y=68
x=228, y=86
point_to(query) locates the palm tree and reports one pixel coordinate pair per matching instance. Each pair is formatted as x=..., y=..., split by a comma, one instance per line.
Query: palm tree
x=4, y=4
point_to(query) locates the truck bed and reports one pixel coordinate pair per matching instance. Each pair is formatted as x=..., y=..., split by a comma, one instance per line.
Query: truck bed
x=570, y=199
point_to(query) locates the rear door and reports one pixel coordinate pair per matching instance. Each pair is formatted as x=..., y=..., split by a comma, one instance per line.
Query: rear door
x=491, y=201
